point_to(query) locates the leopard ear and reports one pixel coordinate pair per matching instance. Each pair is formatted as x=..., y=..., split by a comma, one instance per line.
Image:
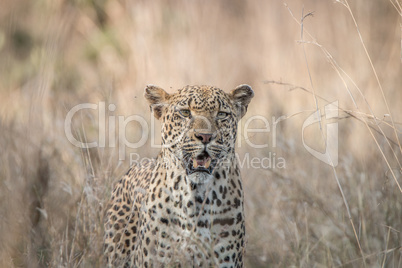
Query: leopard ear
x=241, y=97
x=157, y=98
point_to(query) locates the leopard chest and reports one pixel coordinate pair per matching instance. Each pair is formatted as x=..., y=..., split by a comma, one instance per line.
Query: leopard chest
x=205, y=218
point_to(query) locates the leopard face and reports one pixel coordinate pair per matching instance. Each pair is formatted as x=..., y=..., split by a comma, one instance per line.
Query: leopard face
x=199, y=125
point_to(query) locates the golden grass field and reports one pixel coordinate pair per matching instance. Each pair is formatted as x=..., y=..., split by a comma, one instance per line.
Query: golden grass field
x=301, y=212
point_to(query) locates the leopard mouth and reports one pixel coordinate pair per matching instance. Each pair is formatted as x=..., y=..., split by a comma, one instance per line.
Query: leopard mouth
x=202, y=163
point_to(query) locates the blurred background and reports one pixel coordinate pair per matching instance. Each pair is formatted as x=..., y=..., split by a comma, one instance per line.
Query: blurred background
x=298, y=56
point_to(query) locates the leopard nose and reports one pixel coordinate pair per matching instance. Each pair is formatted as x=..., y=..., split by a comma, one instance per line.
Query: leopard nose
x=205, y=138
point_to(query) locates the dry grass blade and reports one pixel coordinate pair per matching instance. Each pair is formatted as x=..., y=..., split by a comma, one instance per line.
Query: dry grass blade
x=329, y=157
x=346, y=3
x=333, y=62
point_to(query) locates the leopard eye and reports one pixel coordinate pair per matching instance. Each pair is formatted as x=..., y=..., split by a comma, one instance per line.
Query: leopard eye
x=185, y=113
x=222, y=115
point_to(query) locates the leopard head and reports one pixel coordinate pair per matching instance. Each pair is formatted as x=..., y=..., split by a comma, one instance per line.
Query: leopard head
x=199, y=125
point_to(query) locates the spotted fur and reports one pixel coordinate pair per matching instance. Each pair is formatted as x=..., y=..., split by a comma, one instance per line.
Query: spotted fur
x=185, y=208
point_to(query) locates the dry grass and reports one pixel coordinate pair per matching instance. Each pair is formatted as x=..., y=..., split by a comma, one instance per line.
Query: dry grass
x=57, y=54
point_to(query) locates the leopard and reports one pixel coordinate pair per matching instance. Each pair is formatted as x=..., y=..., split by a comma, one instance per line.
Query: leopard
x=184, y=208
